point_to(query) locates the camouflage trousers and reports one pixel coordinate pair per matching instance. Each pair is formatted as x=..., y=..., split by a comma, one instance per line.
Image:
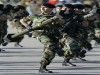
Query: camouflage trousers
x=49, y=49
x=70, y=46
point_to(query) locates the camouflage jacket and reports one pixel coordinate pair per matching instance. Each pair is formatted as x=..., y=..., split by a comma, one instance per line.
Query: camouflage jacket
x=50, y=29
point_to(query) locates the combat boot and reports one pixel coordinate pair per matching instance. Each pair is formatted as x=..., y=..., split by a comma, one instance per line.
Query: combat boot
x=44, y=70
x=4, y=43
x=64, y=63
x=67, y=63
x=17, y=45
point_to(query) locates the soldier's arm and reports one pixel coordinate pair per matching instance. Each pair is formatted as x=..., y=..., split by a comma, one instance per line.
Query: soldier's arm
x=23, y=22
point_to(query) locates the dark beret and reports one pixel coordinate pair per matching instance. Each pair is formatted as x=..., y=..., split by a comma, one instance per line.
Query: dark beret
x=16, y=8
x=8, y=7
x=69, y=6
x=48, y=5
x=79, y=6
x=87, y=6
x=59, y=5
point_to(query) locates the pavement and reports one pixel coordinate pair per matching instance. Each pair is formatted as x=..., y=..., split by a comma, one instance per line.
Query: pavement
x=26, y=60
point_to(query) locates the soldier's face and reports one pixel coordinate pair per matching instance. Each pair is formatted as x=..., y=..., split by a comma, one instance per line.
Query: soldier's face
x=46, y=9
x=58, y=9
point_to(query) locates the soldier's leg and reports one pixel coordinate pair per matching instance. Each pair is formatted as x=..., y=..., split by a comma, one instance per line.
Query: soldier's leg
x=1, y=38
x=48, y=54
x=47, y=57
x=70, y=48
x=17, y=44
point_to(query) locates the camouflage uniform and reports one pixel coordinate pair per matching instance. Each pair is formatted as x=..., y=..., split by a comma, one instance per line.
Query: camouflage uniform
x=16, y=22
x=68, y=42
x=48, y=37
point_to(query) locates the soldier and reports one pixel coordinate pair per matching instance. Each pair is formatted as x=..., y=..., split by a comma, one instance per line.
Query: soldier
x=8, y=9
x=68, y=43
x=47, y=36
x=72, y=29
x=83, y=30
x=96, y=23
x=19, y=13
x=3, y=24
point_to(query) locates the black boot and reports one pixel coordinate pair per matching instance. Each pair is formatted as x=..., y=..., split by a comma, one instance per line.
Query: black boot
x=44, y=70
x=18, y=41
x=64, y=63
x=17, y=45
x=4, y=43
x=67, y=63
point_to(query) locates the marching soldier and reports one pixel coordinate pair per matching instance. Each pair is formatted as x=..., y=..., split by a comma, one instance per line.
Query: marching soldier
x=74, y=34
x=47, y=36
x=19, y=13
x=69, y=29
x=3, y=24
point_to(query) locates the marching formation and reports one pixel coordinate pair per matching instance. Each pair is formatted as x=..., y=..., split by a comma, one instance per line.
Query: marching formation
x=66, y=30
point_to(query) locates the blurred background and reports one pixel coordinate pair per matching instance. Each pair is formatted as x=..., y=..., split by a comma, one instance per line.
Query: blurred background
x=51, y=1
x=33, y=6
